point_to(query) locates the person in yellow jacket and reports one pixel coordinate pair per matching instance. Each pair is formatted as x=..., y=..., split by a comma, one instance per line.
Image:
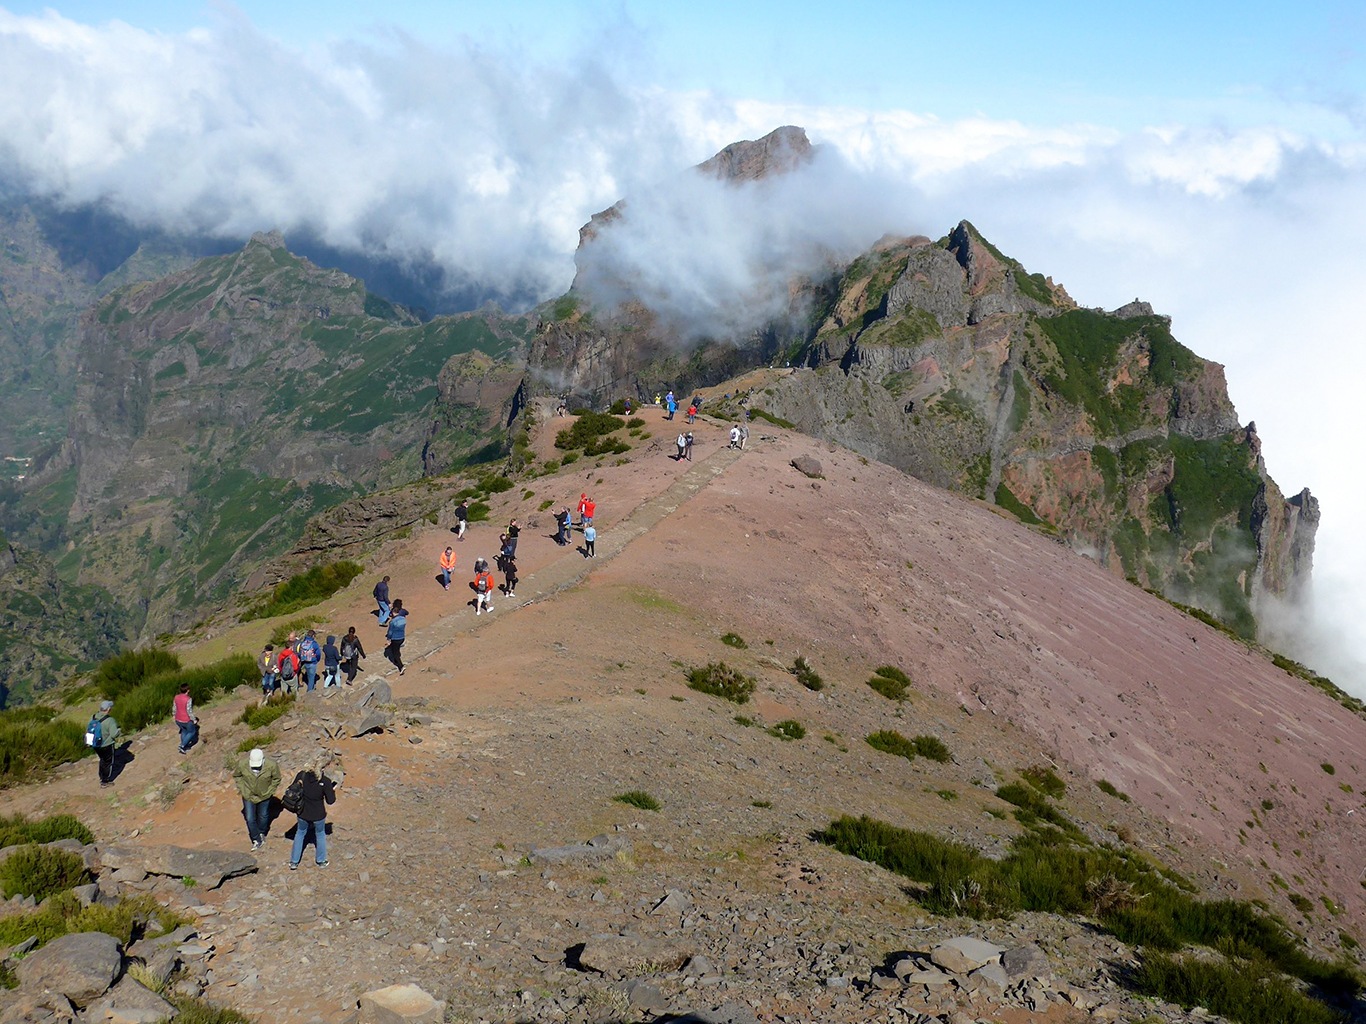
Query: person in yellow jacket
x=447, y=566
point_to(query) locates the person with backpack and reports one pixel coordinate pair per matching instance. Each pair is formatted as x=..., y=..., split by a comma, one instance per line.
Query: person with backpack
x=266, y=663
x=309, y=653
x=381, y=593
x=510, y=574
x=396, y=634
x=257, y=778
x=447, y=565
x=682, y=443
x=590, y=537
x=103, y=734
x=351, y=653
x=462, y=519
x=331, y=663
x=182, y=713
x=734, y=437
x=311, y=792
x=287, y=668
x=483, y=587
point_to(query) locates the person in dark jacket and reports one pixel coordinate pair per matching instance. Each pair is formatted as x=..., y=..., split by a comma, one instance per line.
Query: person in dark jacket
x=514, y=530
x=106, y=742
x=396, y=634
x=351, y=653
x=319, y=791
x=562, y=519
x=331, y=663
x=381, y=593
x=462, y=519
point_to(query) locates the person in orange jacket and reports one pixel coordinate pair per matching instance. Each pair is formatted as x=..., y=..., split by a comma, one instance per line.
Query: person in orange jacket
x=587, y=510
x=447, y=564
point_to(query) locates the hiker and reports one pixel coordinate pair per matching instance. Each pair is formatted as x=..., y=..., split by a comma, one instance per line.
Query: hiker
x=381, y=593
x=287, y=668
x=510, y=574
x=628, y=405
x=734, y=438
x=590, y=536
x=182, y=712
x=583, y=500
x=447, y=564
x=351, y=653
x=103, y=734
x=687, y=446
x=316, y=791
x=589, y=508
x=562, y=520
x=657, y=401
x=692, y=413
x=331, y=663
x=514, y=530
x=744, y=435
x=682, y=443
x=257, y=778
x=269, y=677
x=672, y=404
x=309, y=655
x=462, y=519
x=483, y=587
x=396, y=634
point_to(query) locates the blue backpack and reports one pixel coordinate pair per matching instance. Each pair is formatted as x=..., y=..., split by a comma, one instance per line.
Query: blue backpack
x=94, y=733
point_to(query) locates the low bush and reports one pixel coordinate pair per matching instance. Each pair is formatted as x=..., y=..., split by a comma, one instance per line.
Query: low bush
x=117, y=675
x=889, y=741
x=806, y=675
x=587, y=429
x=493, y=484
x=1108, y=788
x=258, y=716
x=478, y=512
x=1244, y=991
x=891, y=682
x=305, y=588
x=605, y=446
x=279, y=636
x=638, y=798
x=1044, y=780
x=634, y=422
x=31, y=744
x=19, y=829
x=720, y=680
x=569, y=458
x=775, y=420
x=40, y=871
x=196, y=1011
x=256, y=739
x=932, y=748
x=151, y=701
x=1031, y=807
x=734, y=640
x=788, y=729
x=126, y=920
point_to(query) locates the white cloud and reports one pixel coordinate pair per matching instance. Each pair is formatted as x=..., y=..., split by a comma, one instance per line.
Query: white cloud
x=487, y=164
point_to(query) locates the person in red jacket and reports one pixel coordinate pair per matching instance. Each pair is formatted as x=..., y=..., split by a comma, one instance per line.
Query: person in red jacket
x=583, y=499
x=692, y=413
x=588, y=508
x=289, y=676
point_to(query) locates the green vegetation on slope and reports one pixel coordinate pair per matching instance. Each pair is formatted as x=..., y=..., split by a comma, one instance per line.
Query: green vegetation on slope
x=33, y=741
x=305, y=588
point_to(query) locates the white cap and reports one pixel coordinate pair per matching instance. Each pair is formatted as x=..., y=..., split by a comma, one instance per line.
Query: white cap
x=256, y=758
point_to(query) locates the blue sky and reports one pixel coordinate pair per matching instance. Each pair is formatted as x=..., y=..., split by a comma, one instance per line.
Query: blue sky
x=1124, y=65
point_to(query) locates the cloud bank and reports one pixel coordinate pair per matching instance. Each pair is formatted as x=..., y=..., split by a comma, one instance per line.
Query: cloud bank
x=484, y=165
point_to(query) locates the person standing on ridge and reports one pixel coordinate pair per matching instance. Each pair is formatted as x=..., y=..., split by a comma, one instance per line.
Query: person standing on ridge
x=351, y=653
x=310, y=653
x=331, y=663
x=182, y=712
x=462, y=519
x=447, y=565
x=381, y=593
x=562, y=519
x=257, y=778
x=287, y=668
x=266, y=663
x=590, y=537
x=396, y=634
x=682, y=443
x=510, y=574
x=483, y=587
x=103, y=734
x=744, y=435
x=734, y=438
x=583, y=498
x=514, y=530
x=628, y=405
x=317, y=792
x=589, y=508
x=692, y=413
x=657, y=399
x=687, y=448
x=672, y=404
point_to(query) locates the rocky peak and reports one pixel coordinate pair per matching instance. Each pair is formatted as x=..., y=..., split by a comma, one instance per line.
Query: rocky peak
x=270, y=239
x=780, y=151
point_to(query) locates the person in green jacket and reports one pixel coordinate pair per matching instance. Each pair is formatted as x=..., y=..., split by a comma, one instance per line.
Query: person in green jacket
x=103, y=734
x=257, y=778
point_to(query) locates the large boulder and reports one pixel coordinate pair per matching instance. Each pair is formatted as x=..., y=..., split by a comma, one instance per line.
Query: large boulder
x=377, y=692
x=621, y=955
x=129, y=1002
x=80, y=966
x=964, y=953
x=599, y=848
x=400, y=1004
x=808, y=466
x=208, y=868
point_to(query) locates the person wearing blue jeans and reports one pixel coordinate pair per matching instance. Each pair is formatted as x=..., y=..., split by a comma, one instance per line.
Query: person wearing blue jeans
x=381, y=593
x=309, y=656
x=257, y=778
x=318, y=792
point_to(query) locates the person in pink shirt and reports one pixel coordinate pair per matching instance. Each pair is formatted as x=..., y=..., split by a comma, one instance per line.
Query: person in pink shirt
x=182, y=710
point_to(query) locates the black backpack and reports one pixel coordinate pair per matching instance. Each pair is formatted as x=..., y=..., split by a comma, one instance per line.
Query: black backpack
x=287, y=669
x=293, y=798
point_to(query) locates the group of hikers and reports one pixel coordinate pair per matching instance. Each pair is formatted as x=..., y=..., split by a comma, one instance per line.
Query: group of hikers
x=258, y=777
x=296, y=663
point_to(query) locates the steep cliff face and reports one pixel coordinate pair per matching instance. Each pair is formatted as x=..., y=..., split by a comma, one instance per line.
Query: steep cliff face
x=220, y=407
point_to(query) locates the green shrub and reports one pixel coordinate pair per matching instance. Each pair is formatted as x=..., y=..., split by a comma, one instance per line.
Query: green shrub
x=40, y=871
x=305, y=588
x=117, y=675
x=1328, y=768
x=63, y=914
x=279, y=636
x=720, y=680
x=889, y=741
x=634, y=422
x=638, y=798
x=1044, y=780
x=788, y=729
x=776, y=421
x=545, y=505
x=891, y=682
x=258, y=716
x=1244, y=991
x=933, y=748
x=256, y=739
x=765, y=804
x=196, y=1011
x=588, y=428
x=568, y=458
x=806, y=675
x=32, y=744
x=734, y=640
x=1108, y=788
x=151, y=701
x=492, y=484
x=618, y=407
x=478, y=512
x=19, y=829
